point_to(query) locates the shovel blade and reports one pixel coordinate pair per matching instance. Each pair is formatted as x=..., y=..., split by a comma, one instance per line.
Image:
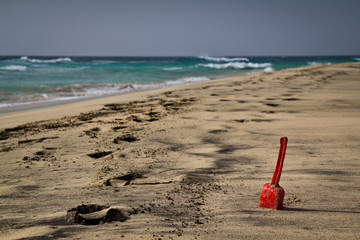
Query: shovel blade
x=272, y=197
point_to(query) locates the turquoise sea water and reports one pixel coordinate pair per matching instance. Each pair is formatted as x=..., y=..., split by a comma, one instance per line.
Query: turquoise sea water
x=25, y=79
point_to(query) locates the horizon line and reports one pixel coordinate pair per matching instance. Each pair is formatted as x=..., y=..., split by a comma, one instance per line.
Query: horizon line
x=179, y=56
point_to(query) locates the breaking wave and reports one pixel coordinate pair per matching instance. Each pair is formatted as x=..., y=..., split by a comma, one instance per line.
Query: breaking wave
x=172, y=68
x=187, y=80
x=14, y=68
x=318, y=63
x=235, y=65
x=56, y=60
x=268, y=69
x=223, y=59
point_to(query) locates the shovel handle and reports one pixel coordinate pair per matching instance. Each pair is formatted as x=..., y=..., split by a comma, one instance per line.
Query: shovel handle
x=280, y=161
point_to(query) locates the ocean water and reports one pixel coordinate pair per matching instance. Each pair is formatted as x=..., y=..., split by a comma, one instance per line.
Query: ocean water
x=26, y=80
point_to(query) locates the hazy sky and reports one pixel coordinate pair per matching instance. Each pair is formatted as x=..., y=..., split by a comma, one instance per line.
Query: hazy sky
x=179, y=27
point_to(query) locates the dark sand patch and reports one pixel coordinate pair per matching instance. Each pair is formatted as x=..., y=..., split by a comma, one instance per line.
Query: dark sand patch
x=99, y=154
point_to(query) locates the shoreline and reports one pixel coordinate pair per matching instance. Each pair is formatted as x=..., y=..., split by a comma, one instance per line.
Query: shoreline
x=22, y=110
x=190, y=161
x=58, y=109
x=16, y=107
x=38, y=105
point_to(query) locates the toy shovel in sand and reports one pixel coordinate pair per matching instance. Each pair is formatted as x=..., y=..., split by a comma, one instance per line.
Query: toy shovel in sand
x=272, y=195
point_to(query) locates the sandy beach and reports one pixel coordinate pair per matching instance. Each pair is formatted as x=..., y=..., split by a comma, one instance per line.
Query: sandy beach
x=189, y=162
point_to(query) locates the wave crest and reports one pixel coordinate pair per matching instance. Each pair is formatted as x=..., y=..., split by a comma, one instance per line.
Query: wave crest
x=318, y=63
x=235, y=65
x=56, y=60
x=187, y=80
x=223, y=59
x=268, y=69
x=14, y=68
x=172, y=68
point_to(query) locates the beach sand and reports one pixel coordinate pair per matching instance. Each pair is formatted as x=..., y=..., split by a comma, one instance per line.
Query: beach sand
x=189, y=162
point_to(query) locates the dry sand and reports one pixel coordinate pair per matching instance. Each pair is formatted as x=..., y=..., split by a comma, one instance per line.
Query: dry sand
x=189, y=162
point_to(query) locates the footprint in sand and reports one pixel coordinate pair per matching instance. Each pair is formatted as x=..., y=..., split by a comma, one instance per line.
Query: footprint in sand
x=123, y=180
x=99, y=154
x=43, y=155
x=125, y=138
x=93, y=214
x=218, y=131
x=291, y=99
x=119, y=128
x=272, y=104
x=92, y=132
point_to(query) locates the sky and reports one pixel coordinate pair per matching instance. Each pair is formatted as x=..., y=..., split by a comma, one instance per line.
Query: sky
x=179, y=27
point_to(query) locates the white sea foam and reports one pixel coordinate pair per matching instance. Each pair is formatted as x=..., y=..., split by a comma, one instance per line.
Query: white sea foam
x=268, y=69
x=77, y=91
x=357, y=59
x=102, y=90
x=223, y=59
x=14, y=68
x=56, y=60
x=172, y=68
x=61, y=69
x=169, y=83
x=235, y=65
x=3, y=105
x=81, y=91
x=318, y=63
x=187, y=80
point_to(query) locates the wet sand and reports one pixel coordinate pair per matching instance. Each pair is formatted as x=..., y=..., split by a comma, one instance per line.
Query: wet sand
x=189, y=162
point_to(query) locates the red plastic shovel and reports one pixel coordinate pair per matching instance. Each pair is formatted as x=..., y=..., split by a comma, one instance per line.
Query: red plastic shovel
x=272, y=195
